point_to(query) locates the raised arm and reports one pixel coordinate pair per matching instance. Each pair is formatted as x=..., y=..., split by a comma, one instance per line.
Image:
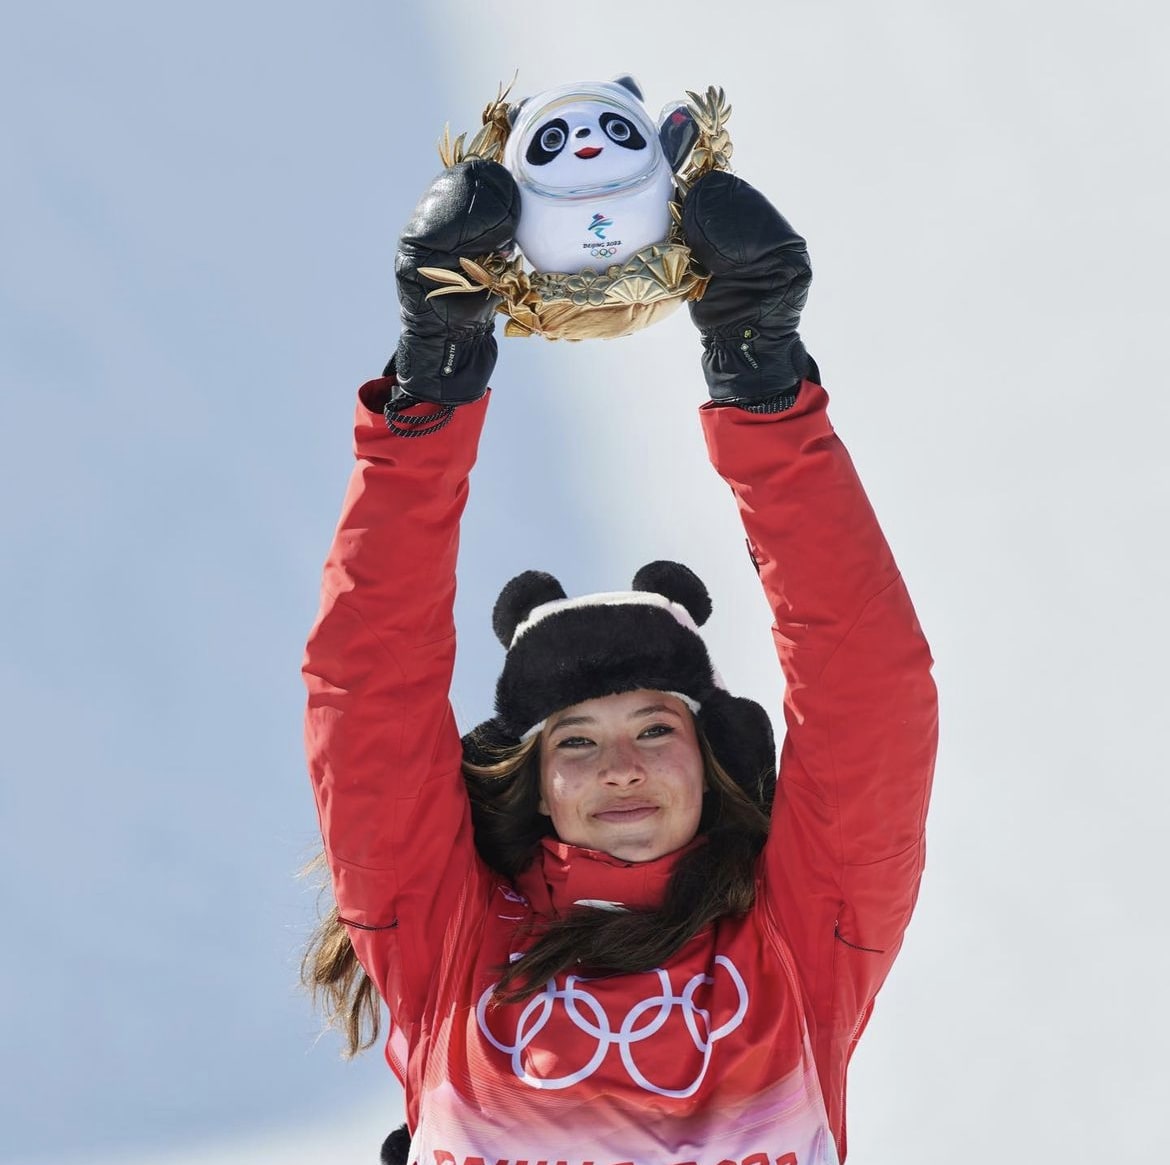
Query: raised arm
x=843, y=861
x=846, y=849
x=383, y=748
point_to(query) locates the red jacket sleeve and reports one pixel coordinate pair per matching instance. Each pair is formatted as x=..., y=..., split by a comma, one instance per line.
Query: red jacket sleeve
x=383, y=748
x=843, y=862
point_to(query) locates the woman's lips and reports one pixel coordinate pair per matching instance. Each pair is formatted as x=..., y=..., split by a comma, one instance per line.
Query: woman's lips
x=589, y=152
x=621, y=815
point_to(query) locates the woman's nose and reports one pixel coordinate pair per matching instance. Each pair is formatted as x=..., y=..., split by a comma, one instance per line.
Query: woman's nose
x=622, y=765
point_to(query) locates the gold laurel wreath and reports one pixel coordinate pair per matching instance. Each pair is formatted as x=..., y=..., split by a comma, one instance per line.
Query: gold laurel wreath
x=588, y=304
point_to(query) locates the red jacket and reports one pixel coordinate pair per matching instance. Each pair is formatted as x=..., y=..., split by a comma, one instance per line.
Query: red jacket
x=737, y=1050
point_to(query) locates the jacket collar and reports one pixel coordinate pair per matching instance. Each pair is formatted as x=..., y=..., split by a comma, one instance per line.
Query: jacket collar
x=562, y=876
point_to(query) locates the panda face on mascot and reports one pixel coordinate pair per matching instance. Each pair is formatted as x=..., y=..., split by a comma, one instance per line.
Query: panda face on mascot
x=594, y=181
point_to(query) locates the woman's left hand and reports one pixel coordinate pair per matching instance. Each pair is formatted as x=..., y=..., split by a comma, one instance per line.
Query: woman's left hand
x=760, y=274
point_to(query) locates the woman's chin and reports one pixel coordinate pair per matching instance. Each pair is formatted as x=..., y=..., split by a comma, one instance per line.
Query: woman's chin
x=645, y=848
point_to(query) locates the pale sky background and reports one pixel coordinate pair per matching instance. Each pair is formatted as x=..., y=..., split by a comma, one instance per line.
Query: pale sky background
x=197, y=212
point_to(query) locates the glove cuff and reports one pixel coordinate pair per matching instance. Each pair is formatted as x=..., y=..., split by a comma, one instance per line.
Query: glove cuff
x=780, y=403
x=451, y=368
x=404, y=423
x=743, y=365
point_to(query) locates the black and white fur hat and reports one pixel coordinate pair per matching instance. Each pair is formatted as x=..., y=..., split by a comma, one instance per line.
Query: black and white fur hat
x=563, y=651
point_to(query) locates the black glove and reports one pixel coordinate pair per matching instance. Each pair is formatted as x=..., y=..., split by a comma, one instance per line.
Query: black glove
x=748, y=316
x=447, y=351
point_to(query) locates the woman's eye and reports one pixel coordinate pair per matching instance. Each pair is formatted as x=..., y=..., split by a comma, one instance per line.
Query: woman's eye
x=657, y=730
x=574, y=742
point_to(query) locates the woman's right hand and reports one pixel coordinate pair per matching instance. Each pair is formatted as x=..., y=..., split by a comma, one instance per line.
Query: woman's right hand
x=447, y=350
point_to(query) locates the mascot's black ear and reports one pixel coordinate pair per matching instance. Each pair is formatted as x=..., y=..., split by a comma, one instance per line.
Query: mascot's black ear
x=677, y=134
x=628, y=82
x=514, y=110
x=519, y=598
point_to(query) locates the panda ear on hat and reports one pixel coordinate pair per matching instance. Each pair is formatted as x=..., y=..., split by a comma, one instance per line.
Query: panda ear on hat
x=519, y=598
x=677, y=583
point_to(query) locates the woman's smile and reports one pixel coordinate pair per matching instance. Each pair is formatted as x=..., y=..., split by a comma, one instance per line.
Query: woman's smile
x=626, y=813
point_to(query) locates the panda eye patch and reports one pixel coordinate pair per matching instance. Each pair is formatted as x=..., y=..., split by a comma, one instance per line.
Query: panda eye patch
x=622, y=131
x=547, y=142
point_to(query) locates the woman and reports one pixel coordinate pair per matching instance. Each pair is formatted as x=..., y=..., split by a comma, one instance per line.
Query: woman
x=603, y=930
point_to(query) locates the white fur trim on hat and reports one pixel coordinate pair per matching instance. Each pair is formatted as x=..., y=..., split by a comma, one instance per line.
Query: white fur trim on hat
x=605, y=599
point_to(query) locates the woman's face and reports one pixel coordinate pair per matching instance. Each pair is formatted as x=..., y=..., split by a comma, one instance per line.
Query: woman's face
x=623, y=774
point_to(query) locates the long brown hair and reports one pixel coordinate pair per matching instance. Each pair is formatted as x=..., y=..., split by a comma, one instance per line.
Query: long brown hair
x=712, y=880
x=335, y=979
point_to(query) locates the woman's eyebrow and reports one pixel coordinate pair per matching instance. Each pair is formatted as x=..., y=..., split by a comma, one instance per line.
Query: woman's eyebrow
x=652, y=710
x=566, y=721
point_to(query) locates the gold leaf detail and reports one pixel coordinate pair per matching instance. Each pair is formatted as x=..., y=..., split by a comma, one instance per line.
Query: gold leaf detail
x=478, y=271
x=713, y=149
x=489, y=141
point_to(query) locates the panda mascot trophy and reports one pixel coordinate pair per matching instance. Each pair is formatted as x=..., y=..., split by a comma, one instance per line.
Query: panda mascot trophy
x=600, y=191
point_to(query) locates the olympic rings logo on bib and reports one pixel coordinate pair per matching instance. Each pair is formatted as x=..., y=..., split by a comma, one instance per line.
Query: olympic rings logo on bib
x=644, y=1020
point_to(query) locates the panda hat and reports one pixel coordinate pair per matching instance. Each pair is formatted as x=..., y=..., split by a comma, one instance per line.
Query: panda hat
x=563, y=651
